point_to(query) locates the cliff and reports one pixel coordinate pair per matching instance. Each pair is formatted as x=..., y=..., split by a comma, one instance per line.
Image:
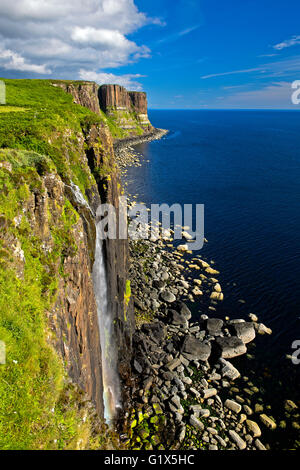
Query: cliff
x=56, y=166
x=125, y=112
x=125, y=107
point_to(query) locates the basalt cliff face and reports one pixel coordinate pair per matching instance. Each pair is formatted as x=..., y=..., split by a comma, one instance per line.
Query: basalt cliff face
x=125, y=106
x=127, y=110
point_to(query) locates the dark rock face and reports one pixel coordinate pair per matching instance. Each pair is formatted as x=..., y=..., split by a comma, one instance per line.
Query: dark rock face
x=116, y=96
x=73, y=317
x=85, y=94
x=139, y=101
x=115, y=100
x=116, y=251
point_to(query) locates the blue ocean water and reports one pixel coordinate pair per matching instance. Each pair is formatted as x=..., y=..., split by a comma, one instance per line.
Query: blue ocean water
x=244, y=166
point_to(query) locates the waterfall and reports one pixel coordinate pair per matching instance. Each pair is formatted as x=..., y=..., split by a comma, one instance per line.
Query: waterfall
x=111, y=384
x=110, y=378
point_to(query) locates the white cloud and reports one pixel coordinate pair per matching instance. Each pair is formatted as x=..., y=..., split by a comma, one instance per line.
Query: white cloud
x=295, y=40
x=12, y=61
x=70, y=35
x=129, y=81
x=276, y=95
x=233, y=72
x=272, y=69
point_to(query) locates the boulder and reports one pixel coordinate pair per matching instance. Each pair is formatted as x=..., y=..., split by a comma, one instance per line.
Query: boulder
x=245, y=331
x=156, y=331
x=237, y=440
x=228, y=370
x=253, y=427
x=195, y=349
x=168, y=297
x=268, y=422
x=177, y=319
x=230, y=347
x=233, y=406
x=182, y=309
x=214, y=326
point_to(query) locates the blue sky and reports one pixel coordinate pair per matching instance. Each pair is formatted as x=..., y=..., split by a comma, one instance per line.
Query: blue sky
x=184, y=53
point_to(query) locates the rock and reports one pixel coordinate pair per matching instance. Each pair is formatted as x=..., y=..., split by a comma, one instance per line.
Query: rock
x=147, y=383
x=253, y=317
x=184, y=284
x=258, y=408
x=156, y=331
x=196, y=291
x=195, y=392
x=157, y=409
x=217, y=287
x=168, y=296
x=183, y=247
x=245, y=331
x=137, y=366
x=262, y=329
x=177, y=319
x=204, y=413
x=196, y=423
x=209, y=392
x=211, y=431
x=182, y=309
x=233, y=406
x=181, y=434
x=187, y=236
x=290, y=406
x=228, y=370
x=195, y=409
x=237, y=440
x=157, y=284
x=259, y=445
x=217, y=296
x=230, y=347
x=196, y=349
x=268, y=422
x=173, y=364
x=214, y=326
x=253, y=427
x=248, y=410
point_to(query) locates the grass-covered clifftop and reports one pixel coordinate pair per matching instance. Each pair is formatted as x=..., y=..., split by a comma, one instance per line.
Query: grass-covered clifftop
x=44, y=142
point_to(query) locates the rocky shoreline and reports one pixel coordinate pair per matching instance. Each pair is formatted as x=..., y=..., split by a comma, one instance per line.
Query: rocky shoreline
x=186, y=394
x=124, y=151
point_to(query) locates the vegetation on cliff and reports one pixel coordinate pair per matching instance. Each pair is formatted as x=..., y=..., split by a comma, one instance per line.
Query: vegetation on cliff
x=44, y=138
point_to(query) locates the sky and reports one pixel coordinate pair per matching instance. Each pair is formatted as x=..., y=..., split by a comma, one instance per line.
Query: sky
x=186, y=54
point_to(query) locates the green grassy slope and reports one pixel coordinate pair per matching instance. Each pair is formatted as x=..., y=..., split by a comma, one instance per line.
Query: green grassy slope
x=39, y=409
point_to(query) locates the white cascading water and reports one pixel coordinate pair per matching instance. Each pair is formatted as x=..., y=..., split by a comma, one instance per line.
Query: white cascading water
x=110, y=378
x=111, y=384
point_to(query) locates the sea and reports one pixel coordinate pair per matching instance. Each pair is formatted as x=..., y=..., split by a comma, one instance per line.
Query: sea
x=244, y=166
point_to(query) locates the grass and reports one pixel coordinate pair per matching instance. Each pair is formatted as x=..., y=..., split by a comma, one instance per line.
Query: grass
x=38, y=407
x=52, y=125
x=11, y=109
